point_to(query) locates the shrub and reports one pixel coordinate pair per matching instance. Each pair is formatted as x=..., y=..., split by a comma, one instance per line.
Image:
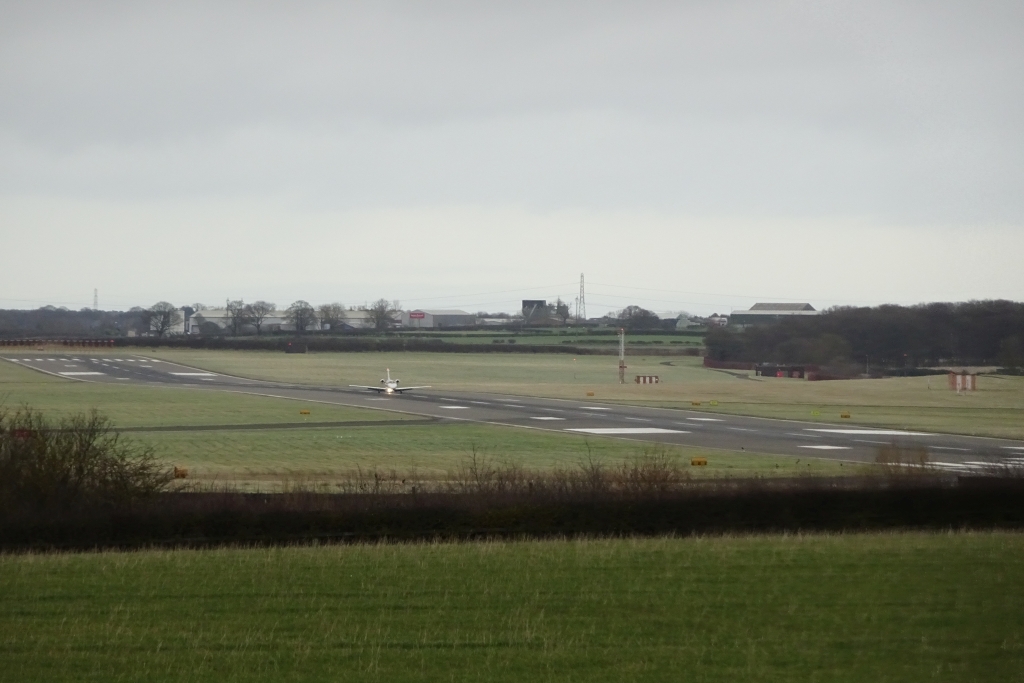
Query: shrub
x=78, y=461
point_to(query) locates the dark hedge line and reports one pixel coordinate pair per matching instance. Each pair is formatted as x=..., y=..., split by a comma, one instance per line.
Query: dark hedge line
x=358, y=344
x=760, y=506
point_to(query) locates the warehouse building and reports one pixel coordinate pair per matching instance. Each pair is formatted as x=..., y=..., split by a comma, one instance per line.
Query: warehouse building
x=760, y=314
x=437, y=318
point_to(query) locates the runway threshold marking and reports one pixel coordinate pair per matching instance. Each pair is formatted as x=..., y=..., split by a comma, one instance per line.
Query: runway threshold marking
x=625, y=430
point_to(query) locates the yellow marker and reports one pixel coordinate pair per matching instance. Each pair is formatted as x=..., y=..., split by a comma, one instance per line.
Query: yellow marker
x=303, y=412
x=694, y=403
x=714, y=403
x=698, y=462
x=590, y=393
x=844, y=415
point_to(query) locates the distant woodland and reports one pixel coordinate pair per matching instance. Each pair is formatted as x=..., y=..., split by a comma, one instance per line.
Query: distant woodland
x=61, y=322
x=971, y=333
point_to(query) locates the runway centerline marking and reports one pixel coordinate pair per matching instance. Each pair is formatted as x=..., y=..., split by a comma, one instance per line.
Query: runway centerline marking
x=625, y=430
x=951, y=448
x=593, y=408
x=454, y=407
x=872, y=432
x=547, y=417
x=705, y=419
x=827, y=448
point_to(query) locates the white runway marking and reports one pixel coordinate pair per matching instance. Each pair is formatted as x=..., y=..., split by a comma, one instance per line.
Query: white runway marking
x=75, y=374
x=950, y=448
x=455, y=407
x=71, y=365
x=805, y=436
x=874, y=432
x=145, y=366
x=626, y=430
x=741, y=429
x=705, y=419
x=119, y=360
x=378, y=399
x=481, y=403
x=547, y=417
x=122, y=379
x=442, y=398
x=828, y=448
x=593, y=408
x=638, y=419
x=194, y=374
x=868, y=441
x=1014, y=448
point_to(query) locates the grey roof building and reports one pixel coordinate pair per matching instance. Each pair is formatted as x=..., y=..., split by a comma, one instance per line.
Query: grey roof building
x=770, y=313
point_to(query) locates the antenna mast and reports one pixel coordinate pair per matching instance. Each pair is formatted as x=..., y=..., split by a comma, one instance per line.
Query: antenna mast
x=581, y=304
x=622, y=355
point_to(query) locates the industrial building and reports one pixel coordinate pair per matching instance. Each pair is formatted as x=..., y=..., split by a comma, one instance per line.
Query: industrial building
x=760, y=314
x=437, y=318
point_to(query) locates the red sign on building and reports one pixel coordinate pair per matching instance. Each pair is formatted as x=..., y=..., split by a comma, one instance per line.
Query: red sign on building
x=417, y=315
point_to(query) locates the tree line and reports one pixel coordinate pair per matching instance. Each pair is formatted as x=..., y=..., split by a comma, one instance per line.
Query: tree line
x=987, y=332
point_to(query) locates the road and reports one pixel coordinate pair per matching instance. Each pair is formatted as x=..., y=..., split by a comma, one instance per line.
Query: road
x=645, y=424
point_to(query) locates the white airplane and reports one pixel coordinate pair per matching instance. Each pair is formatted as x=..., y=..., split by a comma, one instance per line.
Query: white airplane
x=389, y=386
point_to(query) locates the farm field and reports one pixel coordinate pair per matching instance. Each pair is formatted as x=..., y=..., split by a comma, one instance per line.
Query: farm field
x=885, y=607
x=925, y=403
x=320, y=456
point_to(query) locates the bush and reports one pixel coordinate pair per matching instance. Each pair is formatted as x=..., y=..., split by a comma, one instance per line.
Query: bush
x=79, y=461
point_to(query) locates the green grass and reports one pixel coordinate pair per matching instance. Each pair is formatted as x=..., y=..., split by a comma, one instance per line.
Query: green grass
x=884, y=607
x=265, y=459
x=925, y=403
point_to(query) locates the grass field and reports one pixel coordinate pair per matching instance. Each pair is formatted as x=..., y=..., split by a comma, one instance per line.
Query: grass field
x=884, y=607
x=267, y=459
x=925, y=403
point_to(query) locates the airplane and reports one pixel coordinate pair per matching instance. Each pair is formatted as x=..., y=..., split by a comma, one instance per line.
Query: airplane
x=390, y=386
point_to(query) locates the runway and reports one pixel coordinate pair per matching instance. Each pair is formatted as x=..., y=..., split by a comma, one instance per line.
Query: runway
x=644, y=424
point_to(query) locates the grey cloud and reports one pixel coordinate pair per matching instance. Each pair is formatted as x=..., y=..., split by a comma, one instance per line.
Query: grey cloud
x=907, y=110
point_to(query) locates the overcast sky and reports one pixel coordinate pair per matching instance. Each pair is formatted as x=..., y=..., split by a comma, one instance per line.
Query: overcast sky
x=694, y=156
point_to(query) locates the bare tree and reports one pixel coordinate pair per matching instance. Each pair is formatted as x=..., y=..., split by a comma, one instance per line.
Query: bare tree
x=561, y=310
x=638, y=318
x=331, y=314
x=301, y=315
x=238, y=314
x=381, y=312
x=257, y=312
x=162, y=316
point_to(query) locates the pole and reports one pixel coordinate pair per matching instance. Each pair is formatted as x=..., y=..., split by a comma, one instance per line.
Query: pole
x=622, y=355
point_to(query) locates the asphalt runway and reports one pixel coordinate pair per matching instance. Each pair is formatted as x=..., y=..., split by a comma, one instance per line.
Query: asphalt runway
x=844, y=442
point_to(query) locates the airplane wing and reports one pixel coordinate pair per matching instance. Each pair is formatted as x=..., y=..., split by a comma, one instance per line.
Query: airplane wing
x=401, y=389
x=360, y=386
